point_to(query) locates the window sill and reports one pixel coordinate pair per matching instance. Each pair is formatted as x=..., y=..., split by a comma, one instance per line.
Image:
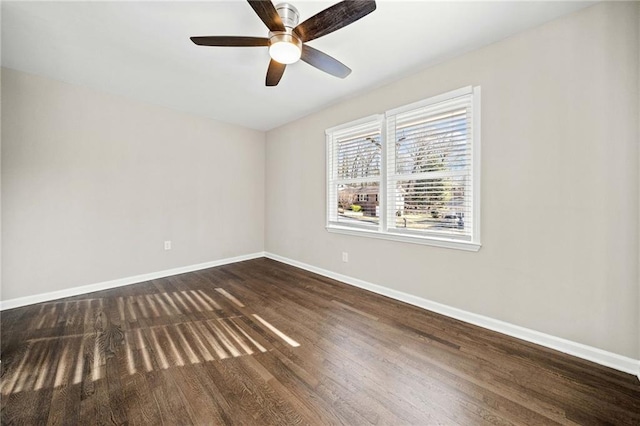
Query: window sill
x=414, y=239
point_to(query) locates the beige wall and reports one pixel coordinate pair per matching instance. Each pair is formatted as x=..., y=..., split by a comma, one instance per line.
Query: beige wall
x=559, y=184
x=93, y=184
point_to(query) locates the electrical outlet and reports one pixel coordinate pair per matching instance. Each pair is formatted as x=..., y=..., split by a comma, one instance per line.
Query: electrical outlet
x=345, y=256
x=167, y=245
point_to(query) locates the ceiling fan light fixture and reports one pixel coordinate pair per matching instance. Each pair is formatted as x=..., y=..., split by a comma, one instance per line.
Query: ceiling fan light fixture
x=285, y=48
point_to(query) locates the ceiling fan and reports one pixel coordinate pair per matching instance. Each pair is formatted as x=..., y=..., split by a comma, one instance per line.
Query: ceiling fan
x=287, y=40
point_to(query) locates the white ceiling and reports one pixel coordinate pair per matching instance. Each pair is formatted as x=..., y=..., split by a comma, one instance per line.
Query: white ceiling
x=142, y=50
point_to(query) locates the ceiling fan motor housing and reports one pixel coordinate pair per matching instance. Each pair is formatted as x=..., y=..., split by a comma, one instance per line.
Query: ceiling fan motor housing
x=289, y=15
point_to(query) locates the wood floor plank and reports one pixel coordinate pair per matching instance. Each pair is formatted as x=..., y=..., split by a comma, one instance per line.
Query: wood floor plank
x=260, y=342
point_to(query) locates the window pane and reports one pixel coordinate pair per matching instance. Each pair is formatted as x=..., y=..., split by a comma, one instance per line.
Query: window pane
x=358, y=203
x=437, y=204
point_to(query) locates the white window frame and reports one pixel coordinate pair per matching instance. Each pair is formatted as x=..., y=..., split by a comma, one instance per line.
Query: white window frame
x=383, y=231
x=331, y=135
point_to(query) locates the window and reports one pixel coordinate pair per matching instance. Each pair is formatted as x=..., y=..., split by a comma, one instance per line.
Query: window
x=418, y=181
x=355, y=170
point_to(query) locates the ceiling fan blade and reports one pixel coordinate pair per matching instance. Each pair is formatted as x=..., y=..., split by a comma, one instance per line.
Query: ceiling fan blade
x=268, y=13
x=274, y=73
x=230, y=41
x=333, y=18
x=324, y=62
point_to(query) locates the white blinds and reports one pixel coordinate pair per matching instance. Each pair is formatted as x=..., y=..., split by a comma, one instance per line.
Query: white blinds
x=354, y=167
x=429, y=169
x=358, y=156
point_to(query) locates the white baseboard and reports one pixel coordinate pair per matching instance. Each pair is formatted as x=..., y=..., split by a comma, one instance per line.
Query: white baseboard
x=106, y=285
x=599, y=356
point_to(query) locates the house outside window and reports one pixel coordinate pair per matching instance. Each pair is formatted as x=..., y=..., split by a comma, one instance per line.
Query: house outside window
x=416, y=181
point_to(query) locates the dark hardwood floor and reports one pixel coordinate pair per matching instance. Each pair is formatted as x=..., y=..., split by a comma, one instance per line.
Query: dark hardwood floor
x=260, y=342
